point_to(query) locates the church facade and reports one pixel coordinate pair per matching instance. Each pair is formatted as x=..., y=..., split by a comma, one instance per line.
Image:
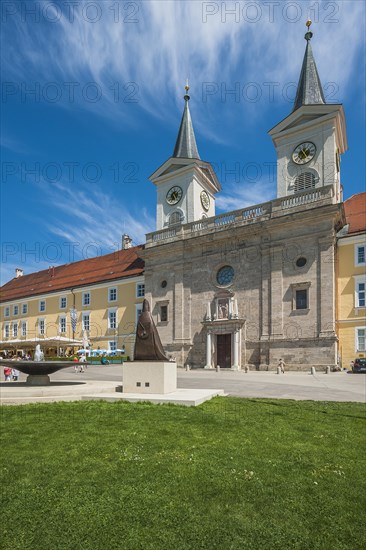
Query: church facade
x=248, y=287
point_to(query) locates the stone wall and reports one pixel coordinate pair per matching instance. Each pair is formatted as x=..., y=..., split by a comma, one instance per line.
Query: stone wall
x=263, y=256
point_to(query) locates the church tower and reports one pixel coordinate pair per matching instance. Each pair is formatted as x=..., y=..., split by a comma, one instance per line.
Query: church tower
x=311, y=139
x=186, y=185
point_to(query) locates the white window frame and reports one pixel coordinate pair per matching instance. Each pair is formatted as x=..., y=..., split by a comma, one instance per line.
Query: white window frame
x=7, y=311
x=359, y=280
x=112, y=289
x=63, y=298
x=15, y=329
x=24, y=328
x=24, y=309
x=140, y=290
x=111, y=311
x=42, y=310
x=88, y=301
x=357, y=247
x=357, y=339
x=41, y=321
x=85, y=315
x=62, y=324
x=15, y=309
x=7, y=330
x=112, y=344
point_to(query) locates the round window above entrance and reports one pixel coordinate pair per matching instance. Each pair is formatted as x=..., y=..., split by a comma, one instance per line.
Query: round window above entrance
x=225, y=275
x=301, y=262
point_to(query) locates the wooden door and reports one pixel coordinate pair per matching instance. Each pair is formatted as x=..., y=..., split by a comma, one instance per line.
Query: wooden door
x=224, y=350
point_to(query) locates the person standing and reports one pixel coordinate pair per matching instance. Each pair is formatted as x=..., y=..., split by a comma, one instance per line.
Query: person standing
x=82, y=362
x=281, y=364
x=7, y=374
x=15, y=374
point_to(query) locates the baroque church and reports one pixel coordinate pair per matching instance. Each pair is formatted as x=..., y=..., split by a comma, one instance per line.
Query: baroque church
x=246, y=288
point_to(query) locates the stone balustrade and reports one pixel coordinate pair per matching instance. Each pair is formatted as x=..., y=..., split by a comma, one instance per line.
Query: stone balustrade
x=253, y=214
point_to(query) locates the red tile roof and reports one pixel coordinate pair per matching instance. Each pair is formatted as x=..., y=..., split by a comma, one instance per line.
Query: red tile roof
x=117, y=265
x=355, y=210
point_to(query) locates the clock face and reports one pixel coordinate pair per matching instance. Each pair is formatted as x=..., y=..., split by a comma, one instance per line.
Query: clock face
x=174, y=195
x=304, y=152
x=205, y=200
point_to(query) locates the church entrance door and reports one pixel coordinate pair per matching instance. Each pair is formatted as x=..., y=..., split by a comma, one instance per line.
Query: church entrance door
x=224, y=350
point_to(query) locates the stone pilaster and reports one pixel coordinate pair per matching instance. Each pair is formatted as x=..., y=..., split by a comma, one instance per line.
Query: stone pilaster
x=326, y=288
x=276, y=313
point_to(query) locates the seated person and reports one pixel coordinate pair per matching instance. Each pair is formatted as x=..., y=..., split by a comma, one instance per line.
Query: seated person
x=104, y=360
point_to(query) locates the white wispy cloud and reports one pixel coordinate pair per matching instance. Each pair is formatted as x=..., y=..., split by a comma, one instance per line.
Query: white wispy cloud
x=171, y=40
x=244, y=195
x=84, y=223
x=87, y=217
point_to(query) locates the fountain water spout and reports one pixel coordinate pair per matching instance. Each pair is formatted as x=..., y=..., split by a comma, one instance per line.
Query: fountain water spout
x=38, y=354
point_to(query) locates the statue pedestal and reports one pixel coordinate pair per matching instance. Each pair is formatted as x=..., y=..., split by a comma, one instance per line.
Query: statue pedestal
x=38, y=380
x=149, y=377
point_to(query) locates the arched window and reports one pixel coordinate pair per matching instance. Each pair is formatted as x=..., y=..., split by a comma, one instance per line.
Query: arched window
x=175, y=218
x=304, y=181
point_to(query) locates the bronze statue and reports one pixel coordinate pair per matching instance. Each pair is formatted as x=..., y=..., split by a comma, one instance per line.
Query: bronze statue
x=148, y=346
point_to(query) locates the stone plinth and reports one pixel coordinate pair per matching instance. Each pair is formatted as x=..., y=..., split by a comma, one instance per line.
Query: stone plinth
x=157, y=377
x=38, y=380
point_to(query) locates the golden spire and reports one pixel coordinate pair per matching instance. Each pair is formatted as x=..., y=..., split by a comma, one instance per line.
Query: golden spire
x=309, y=34
x=186, y=87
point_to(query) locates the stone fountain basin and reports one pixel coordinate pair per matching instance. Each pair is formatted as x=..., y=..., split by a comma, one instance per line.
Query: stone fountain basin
x=37, y=368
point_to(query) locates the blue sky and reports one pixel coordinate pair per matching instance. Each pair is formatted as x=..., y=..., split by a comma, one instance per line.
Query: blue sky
x=92, y=97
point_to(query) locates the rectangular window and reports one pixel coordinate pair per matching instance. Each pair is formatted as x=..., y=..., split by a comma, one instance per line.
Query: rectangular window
x=24, y=309
x=63, y=325
x=112, y=319
x=163, y=314
x=24, y=328
x=41, y=326
x=15, y=330
x=63, y=302
x=140, y=290
x=6, y=330
x=86, y=298
x=86, y=321
x=42, y=305
x=112, y=294
x=360, y=255
x=112, y=345
x=15, y=310
x=302, y=299
x=138, y=312
x=360, y=294
x=360, y=339
x=6, y=311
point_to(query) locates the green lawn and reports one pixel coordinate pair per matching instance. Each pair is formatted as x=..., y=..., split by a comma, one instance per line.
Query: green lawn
x=232, y=473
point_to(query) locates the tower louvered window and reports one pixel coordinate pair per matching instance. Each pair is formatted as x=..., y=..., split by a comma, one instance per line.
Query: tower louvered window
x=175, y=218
x=304, y=181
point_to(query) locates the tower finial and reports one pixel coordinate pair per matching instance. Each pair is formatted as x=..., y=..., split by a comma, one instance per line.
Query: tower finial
x=309, y=34
x=186, y=87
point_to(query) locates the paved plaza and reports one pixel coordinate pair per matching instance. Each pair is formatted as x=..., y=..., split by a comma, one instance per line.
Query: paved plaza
x=67, y=385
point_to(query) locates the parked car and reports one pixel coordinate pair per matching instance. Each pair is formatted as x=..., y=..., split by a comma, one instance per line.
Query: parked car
x=359, y=365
